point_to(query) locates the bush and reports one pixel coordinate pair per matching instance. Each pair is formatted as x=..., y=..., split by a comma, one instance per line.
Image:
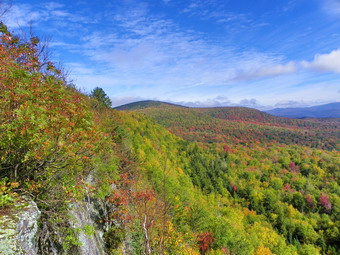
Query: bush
x=114, y=237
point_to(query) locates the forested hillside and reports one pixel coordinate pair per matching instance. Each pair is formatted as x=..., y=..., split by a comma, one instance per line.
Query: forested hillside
x=143, y=104
x=218, y=183
x=262, y=199
x=239, y=125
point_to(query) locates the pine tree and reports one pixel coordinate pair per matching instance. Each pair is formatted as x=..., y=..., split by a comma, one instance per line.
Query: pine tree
x=101, y=97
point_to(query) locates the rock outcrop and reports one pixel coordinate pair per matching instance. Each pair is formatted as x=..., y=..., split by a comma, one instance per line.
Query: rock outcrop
x=18, y=228
x=87, y=216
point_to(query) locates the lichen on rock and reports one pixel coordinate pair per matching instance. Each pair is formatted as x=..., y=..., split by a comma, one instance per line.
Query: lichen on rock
x=18, y=228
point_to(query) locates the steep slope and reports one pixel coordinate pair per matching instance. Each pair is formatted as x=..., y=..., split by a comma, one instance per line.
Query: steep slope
x=51, y=149
x=321, y=111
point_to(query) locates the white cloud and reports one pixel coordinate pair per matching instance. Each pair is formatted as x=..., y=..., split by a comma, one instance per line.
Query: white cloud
x=63, y=45
x=210, y=102
x=295, y=103
x=60, y=13
x=252, y=103
x=79, y=69
x=155, y=51
x=24, y=15
x=118, y=101
x=277, y=70
x=325, y=62
x=215, y=11
x=53, y=6
x=268, y=71
x=141, y=48
x=222, y=101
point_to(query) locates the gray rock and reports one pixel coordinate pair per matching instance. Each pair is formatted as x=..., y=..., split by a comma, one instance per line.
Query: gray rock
x=88, y=218
x=89, y=236
x=18, y=228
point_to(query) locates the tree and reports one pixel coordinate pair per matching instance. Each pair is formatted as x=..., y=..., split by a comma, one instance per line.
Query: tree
x=44, y=125
x=100, y=95
x=324, y=201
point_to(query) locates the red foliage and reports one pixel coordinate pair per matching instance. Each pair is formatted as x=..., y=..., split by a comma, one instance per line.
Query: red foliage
x=227, y=149
x=118, y=198
x=205, y=240
x=145, y=195
x=309, y=200
x=224, y=250
x=287, y=187
x=126, y=179
x=324, y=201
x=293, y=168
x=284, y=171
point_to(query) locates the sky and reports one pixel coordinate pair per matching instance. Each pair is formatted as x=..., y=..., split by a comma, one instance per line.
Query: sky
x=255, y=53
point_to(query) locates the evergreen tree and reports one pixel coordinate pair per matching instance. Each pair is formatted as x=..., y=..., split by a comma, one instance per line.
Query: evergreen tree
x=100, y=95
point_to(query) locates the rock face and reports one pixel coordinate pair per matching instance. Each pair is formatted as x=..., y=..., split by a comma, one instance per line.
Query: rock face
x=86, y=217
x=18, y=228
x=90, y=218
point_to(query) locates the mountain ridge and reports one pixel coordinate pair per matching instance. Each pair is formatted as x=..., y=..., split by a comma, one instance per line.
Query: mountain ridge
x=331, y=110
x=144, y=104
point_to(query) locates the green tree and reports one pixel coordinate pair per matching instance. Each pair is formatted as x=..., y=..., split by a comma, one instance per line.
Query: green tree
x=100, y=95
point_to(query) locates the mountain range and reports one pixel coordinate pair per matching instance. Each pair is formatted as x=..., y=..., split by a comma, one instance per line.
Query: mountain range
x=320, y=111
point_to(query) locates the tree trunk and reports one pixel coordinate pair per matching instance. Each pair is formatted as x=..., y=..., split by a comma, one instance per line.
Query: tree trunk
x=147, y=244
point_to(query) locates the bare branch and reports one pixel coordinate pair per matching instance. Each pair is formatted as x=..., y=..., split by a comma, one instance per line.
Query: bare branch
x=5, y=6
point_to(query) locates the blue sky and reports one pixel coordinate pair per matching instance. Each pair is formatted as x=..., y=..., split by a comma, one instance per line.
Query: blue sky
x=256, y=53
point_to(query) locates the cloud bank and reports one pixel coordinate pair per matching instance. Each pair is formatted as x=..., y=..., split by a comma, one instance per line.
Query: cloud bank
x=325, y=62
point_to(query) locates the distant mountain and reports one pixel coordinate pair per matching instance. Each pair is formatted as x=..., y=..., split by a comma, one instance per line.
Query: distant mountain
x=321, y=111
x=244, y=114
x=144, y=104
x=238, y=125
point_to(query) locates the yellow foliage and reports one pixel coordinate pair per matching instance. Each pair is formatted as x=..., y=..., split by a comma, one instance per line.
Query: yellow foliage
x=261, y=250
x=265, y=235
x=247, y=212
x=216, y=252
x=291, y=211
x=189, y=251
x=141, y=154
x=14, y=185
